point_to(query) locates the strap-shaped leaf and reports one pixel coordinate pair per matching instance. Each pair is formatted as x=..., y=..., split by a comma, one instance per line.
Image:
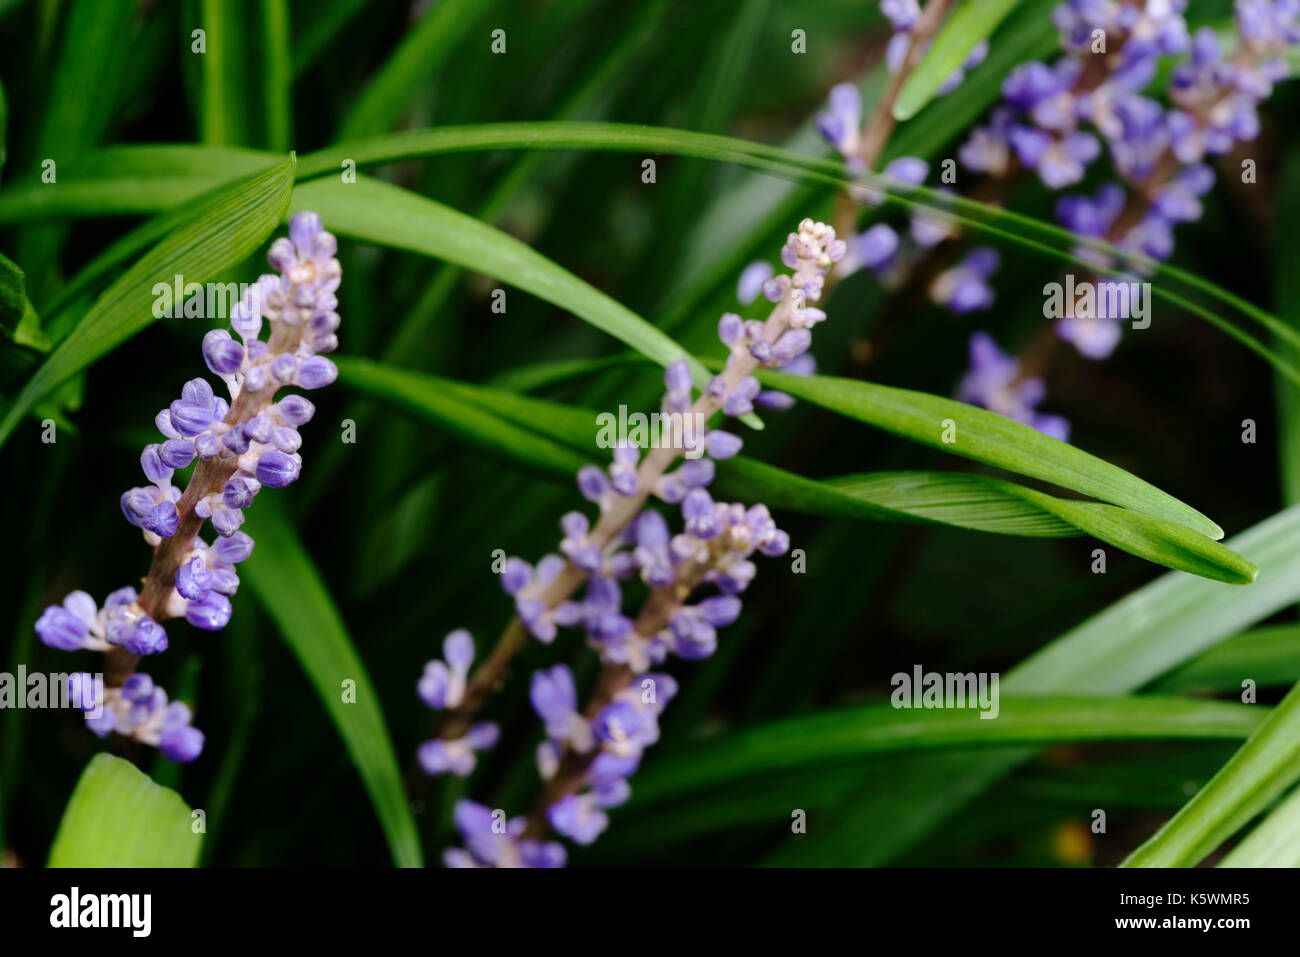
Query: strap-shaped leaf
x=971, y=22
x=118, y=817
x=873, y=729
x=380, y=213
x=1262, y=770
x=540, y=434
x=990, y=438
x=288, y=586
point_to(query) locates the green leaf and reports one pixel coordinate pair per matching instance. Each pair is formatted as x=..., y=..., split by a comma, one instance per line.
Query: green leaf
x=469, y=417
x=321, y=29
x=289, y=588
x=225, y=233
x=4, y=127
x=992, y=505
x=989, y=438
x=1260, y=772
x=1275, y=841
x=806, y=742
x=1163, y=624
x=1173, y=285
x=512, y=426
x=1115, y=652
x=1267, y=656
x=238, y=105
x=406, y=73
x=390, y=216
x=13, y=294
x=129, y=179
x=966, y=26
x=118, y=817
x=1286, y=298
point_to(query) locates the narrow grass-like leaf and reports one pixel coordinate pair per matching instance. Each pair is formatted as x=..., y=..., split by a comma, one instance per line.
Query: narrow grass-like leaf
x=276, y=74
x=1267, y=656
x=522, y=428
x=4, y=130
x=990, y=438
x=422, y=51
x=390, y=216
x=1115, y=652
x=1262, y=770
x=1169, y=283
x=118, y=817
x=872, y=729
x=1275, y=841
x=225, y=233
x=129, y=179
x=1286, y=301
x=966, y=26
x=1163, y=624
x=327, y=21
x=288, y=586
x=13, y=294
x=471, y=418
x=992, y=505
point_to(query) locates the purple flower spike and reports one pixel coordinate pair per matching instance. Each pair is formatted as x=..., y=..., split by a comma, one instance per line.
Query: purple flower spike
x=628, y=540
x=259, y=448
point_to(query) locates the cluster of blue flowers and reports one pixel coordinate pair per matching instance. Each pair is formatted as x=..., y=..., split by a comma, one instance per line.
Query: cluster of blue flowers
x=240, y=445
x=1055, y=121
x=588, y=755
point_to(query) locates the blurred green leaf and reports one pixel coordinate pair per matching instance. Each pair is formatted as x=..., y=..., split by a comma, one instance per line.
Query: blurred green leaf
x=993, y=439
x=325, y=24
x=1275, y=841
x=852, y=732
x=1286, y=299
x=13, y=294
x=289, y=588
x=971, y=22
x=4, y=128
x=1260, y=772
x=1115, y=652
x=239, y=105
x=1165, y=623
x=118, y=817
x=129, y=179
x=423, y=50
x=226, y=232
x=1267, y=656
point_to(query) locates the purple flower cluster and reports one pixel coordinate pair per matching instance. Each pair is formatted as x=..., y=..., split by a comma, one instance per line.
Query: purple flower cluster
x=587, y=758
x=1113, y=51
x=139, y=709
x=1056, y=120
x=238, y=446
x=996, y=383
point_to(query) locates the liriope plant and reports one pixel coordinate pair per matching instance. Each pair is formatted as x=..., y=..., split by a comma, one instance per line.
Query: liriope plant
x=1057, y=122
